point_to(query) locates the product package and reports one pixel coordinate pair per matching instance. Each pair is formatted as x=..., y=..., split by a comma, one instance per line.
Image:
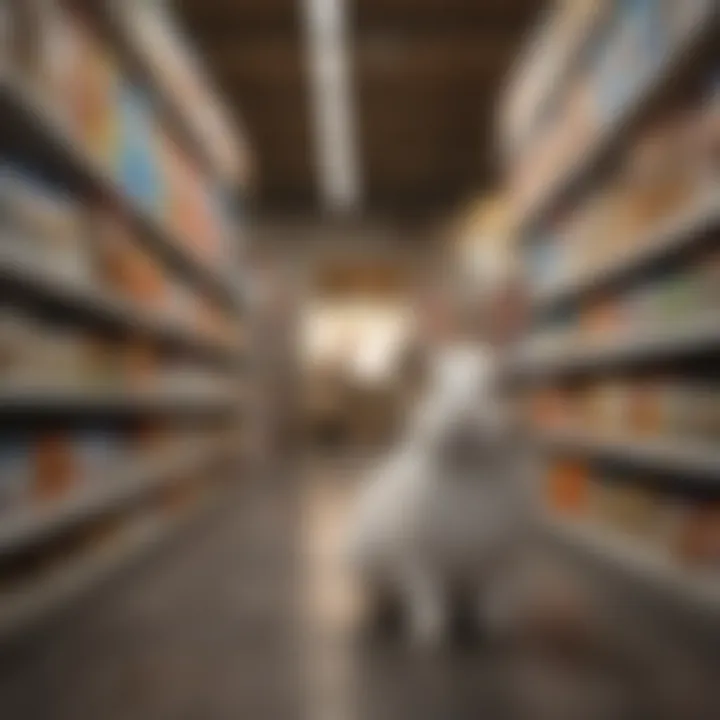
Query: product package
x=101, y=454
x=136, y=164
x=42, y=225
x=16, y=471
x=56, y=468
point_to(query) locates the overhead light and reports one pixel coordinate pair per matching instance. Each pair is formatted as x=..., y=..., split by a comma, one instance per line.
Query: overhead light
x=333, y=116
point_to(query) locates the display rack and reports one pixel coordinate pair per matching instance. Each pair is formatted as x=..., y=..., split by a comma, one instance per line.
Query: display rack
x=30, y=124
x=630, y=463
x=96, y=469
x=37, y=525
x=641, y=565
x=124, y=24
x=19, y=275
x=688, y=51
x=696, y=462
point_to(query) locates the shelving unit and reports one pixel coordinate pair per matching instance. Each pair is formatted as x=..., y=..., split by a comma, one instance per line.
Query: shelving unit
x=624, y=329
x=31, y=124
x=30, y=605
x=122, y=28
x=122, y=488
x=61, y=403
x=674, y=236
x=19, y=275
x=680, y=61
x=694, y=461
x=130, y=423
x=641, y=565
x=676, y=343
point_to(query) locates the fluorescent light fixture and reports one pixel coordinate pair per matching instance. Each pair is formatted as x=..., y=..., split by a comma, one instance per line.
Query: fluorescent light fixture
x=333, y=115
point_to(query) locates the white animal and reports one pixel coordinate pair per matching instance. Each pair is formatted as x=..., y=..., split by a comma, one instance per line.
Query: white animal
x=446, y=510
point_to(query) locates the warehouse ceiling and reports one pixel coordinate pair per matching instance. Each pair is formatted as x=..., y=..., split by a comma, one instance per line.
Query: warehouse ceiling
x=425, y=78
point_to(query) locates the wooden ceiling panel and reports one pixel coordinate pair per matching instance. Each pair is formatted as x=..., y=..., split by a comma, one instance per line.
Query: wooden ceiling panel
x=426, y=77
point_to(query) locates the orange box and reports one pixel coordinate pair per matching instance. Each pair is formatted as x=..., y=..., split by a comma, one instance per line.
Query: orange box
x=568, y=486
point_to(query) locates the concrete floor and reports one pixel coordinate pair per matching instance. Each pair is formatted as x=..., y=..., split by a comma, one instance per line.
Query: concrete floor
x=247, y=616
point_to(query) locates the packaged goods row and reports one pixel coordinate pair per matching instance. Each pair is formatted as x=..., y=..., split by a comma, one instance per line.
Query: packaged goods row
x=671, y=301
x=674, y=163
x=672, y=166
x=36, y=584
x=652, y=408
x=40, y=468
x=632, y=45
x=686, y=529
x=45, y=227
x=36, y=355
x=181, y=80
x=57, y=52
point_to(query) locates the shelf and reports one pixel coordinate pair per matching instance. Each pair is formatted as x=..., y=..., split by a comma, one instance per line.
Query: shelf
x=35, y=526
x=121, y=30
x=699, y=591
x=54, y=402
x=686, y=459
x=31, y=126
x=674, y=236
x=25, y=606
x=692, y=339
x=669, y=75
x=22, y=275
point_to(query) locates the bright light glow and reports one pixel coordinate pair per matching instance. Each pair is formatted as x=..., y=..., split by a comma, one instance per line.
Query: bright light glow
x=331, y=103
x=362, y=338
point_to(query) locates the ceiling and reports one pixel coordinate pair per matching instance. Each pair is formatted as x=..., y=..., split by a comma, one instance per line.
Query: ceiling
x=426, y=75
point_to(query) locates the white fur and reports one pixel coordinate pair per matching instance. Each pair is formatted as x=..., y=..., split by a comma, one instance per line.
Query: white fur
x=418, y=526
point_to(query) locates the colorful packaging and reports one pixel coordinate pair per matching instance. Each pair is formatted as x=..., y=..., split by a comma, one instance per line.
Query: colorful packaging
x=43, y=225
x=124, y=266
x=137, y=164
x=568, y=488
x=699, y=538
x=56, y=468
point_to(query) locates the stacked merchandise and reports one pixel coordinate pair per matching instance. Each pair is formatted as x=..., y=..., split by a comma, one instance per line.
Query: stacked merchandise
x=631, y=42
x=111, y=115
x=681, y=528
x=674, y=410
x=115, y=420
x=619, y=365
x=674, y=300
x=47, y=467
x=673, y=170
x=178, y=73
x=48, y=231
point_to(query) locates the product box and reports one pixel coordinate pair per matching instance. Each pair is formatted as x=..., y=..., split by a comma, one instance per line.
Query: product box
x=99, y=454
x=100, y=121
x=23, y=23
x=55, y=469
x=16, y=463
x=568, y=487
x=6, y=38
x=34, y=354
x=136, y=164
x=699, y=537
x=105, y=365
x=140, y=366
x=17, y=346
x=63, y=61
x=42, y=225
x=123, y=266
x=679, y=19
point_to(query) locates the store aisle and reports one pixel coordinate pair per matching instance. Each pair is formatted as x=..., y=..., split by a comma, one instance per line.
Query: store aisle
x=248, y=616
x=204, y=629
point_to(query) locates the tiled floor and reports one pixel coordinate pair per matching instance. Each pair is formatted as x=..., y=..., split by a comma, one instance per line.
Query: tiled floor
x=248, y=616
